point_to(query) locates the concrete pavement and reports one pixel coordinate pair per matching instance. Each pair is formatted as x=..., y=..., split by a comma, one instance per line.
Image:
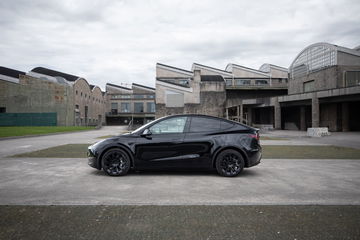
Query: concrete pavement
x=273, y=182
x=28, y=144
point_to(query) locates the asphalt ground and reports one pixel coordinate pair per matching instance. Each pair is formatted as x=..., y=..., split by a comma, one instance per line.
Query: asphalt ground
x=179, y=222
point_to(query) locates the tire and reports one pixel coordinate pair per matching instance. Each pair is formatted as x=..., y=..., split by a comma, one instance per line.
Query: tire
x=229, y=163
x=115, y=162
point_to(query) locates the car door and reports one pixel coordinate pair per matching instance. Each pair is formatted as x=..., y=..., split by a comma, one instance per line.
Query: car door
x=163, y=147
x=200, y=140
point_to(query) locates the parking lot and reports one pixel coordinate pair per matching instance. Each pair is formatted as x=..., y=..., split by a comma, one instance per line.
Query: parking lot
x=46, y=181
x=279, y=198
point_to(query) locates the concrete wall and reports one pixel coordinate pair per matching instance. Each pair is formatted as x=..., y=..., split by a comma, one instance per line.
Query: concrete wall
x=94, y=100
x=237, y=72
x=33, y=95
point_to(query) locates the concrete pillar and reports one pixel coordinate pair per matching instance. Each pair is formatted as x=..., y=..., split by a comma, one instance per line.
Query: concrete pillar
x=241, y=119
x=345, y=117
x=227, y=113
x=249, y=117
x=277, y=114
x=315, y=111
x=238, y=113
x=302, y=119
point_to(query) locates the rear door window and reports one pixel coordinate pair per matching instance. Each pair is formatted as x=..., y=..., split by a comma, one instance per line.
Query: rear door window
x=226, y=125
x=204, y=124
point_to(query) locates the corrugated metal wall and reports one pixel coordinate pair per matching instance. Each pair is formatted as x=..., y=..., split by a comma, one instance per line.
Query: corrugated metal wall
x=28, y=119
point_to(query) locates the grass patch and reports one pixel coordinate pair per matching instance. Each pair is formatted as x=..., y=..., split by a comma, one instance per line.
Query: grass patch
x=272, y=138
x=269, y=151
x=63, y=151
x=32, y=130
x=106, y=136
x=310, y=152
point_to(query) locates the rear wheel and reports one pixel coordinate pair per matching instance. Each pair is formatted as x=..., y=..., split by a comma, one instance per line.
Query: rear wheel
x=229, y=163
x=115, y=162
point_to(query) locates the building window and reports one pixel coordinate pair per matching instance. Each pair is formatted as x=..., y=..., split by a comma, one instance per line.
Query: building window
x=85, y=95
x=261, y=82
x=125, y=107
x=150, y=106
x=76, y=106
x=114, y=108
x=138, y=96
x=76, y=92
x=138, y=107
x=228, y=82
x=240, y=82
x=2, y=109
x=352, y=78
x=81, y=94
x=309, y=86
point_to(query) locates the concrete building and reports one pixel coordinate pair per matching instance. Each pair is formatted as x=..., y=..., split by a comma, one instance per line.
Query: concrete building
x=324, y=91
x=214, y=91
x=201, y=90
x=135, y=105
x=47, y=97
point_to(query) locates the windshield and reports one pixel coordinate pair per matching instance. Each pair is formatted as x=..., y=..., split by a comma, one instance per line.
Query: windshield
x=143, y=127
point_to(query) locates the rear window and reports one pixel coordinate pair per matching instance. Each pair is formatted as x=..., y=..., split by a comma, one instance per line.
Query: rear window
x=204, y=124
x=226, y=124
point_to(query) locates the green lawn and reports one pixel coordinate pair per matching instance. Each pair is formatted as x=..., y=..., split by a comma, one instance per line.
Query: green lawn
x=63, y=151
x=282, y=152
x=309, y=152
x=32, y=130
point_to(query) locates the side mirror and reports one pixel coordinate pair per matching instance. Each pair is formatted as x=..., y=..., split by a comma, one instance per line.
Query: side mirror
x=146, y=133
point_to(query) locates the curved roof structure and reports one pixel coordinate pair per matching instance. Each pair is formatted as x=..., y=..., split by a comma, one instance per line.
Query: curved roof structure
x=54, y=73
x=316, y=57
x=10, y=72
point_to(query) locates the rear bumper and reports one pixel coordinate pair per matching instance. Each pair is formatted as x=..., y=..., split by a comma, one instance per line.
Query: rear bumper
x=254, y=157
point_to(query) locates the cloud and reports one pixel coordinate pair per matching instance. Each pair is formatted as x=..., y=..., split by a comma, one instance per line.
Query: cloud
x=121, y=41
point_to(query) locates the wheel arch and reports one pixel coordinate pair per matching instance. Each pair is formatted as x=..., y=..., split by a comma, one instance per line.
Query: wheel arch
x=121, y=147
x=243, y=154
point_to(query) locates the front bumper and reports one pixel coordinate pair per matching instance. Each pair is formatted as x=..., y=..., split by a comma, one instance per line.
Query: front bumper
x=92, y=159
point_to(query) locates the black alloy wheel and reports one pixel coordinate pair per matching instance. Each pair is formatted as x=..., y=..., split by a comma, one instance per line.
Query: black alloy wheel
x=115, y=162
x=229, y=163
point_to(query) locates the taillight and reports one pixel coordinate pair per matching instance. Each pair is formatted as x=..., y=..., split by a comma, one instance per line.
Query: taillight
x=256, y=136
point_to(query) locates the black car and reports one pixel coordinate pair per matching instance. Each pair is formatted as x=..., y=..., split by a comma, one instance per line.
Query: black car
x=180, y=141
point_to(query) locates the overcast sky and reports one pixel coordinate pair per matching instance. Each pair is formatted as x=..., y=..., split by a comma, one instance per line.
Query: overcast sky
x=121, y=41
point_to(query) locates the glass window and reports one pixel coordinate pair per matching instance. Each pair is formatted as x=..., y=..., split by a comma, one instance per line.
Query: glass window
x=150, y=106
x=138, y=96
x=125, y=107
x=204, y=124
x=242, y=82
x=226, y=124
x=309, y=86
x=114, y=108
x=352, y=78
x=228, y=82
x=261, y=82
x=172, y=125
x=138, y=107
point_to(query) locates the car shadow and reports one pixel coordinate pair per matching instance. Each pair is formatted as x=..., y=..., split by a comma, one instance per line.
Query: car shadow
x=247, y=173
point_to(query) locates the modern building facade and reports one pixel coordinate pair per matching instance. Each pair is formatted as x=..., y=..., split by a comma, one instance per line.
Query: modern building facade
x=135, y=105
x=197, y=91
x=214, y=91
x=323, y=91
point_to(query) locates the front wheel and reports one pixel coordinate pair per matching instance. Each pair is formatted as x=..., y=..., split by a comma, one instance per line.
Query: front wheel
x=115, y=162
x=229, y=163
